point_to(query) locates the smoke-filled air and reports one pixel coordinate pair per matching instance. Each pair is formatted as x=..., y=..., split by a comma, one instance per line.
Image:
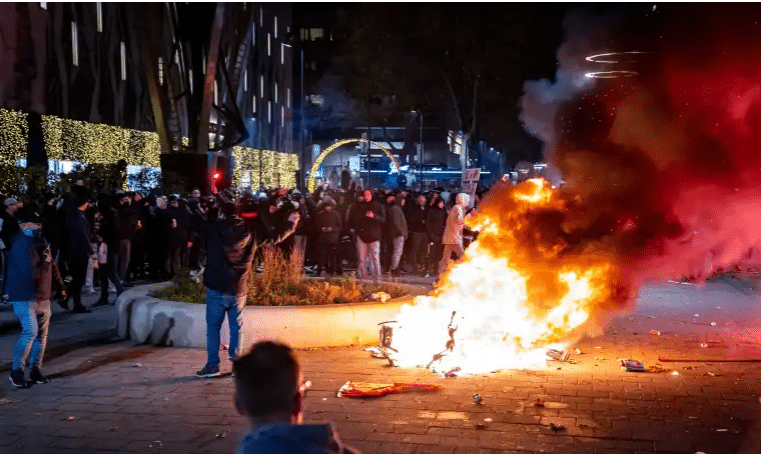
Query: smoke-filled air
x=653, y=127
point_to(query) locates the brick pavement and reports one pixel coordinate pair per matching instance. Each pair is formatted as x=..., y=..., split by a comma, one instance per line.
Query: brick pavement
x=122, y=397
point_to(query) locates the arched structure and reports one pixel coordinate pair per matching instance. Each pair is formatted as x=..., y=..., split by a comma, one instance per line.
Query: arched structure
x=328, y=150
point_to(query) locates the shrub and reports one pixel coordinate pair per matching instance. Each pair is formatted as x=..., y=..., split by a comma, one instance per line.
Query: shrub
x=281, y=282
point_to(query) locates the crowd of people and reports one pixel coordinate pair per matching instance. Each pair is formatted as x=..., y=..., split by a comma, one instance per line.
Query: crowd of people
x=56, y=251
x=81, y=242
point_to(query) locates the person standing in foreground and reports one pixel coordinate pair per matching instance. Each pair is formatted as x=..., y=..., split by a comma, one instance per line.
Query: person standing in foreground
x=268, y=391
x=452, y=239
x=29, y=280
x=230, y=249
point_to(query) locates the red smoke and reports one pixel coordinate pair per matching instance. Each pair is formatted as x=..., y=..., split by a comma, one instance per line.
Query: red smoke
x=664, y=169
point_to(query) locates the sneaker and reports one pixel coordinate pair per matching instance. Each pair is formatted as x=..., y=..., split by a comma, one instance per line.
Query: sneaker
x=208, y=372
x=17, y=379
x=35, y=376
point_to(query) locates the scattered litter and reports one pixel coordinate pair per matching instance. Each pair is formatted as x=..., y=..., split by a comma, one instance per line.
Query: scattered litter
x=703, y=344
x=657, y=369
x=137, y=365
x=711, y=374
x=4, y=401
x=452, y=373
x=308, y=384
x=113, y=429
x=69, y=418
x=721, y=430
x=539, y=403
x=578, y=351
x=362, y=389
x=223, y=347
x=477, y=398
x=697, y=315
x=655, y=333
x=650, y=316
x=480, y=426
x=324, y=399
x=221, y=435
x=689, y=367
x=713, y=323
x=488, y=420
x=675, y=373
x=380, y=296
x=158, y=444
x=556, y=427
x=598, y=348
x=559, y=355
x=632, y=365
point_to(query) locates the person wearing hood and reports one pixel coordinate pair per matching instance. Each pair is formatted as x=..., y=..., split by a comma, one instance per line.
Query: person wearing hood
x=329, y=224
x=230, y=249
x=396, y=226
x=270, y=393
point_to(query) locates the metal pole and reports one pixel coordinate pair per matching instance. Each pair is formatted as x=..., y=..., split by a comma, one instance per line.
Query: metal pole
x=301, y=127
x=421, y=149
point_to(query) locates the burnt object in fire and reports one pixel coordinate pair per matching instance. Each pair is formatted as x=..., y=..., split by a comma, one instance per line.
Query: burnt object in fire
x=449, y=345
x=387, y=334
x=559, y=355
x=632, y=365
x=452, y=373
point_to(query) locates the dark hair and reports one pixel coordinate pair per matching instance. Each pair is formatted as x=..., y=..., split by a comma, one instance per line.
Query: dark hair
x=266, y=379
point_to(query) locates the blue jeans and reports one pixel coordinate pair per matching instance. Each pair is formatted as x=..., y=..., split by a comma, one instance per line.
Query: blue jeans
x=35, y=320
x=217, y=304
x=368, y=254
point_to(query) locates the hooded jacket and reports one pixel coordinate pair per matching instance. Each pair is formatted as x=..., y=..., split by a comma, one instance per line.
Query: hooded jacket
x=395, y=221
x=230, y=251
x=286, y=438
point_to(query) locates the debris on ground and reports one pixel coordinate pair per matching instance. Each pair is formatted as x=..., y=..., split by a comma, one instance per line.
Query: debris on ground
x=711, y=374
x=363, y=389
x=556, y=427
x=452, y=373
x=480, y=426
x=578, y=351
x=703, y=344
x=380, y=296
x=4, y=401
x=658, y=369
x=539, y=403
x=559, y=355
x=675, y=373
x=655, y=333
x=713, y=323
x=488, y=420
x=69, y=418
x=632, y=365
x=477, y=398
x=223, y=347
x=221, y=435
x=137, y=365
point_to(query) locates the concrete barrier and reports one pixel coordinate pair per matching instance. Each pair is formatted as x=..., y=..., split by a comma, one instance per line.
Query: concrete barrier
x=147, y=319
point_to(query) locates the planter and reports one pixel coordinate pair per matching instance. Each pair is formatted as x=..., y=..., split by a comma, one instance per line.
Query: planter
x=146, y=319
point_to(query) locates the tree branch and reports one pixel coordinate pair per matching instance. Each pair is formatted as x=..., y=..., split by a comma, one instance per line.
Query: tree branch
x=454, y=98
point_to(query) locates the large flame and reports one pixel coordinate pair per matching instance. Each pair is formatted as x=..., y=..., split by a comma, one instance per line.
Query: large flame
x=516, y=292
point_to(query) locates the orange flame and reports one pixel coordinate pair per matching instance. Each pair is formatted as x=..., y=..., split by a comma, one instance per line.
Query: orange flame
x=517, y=291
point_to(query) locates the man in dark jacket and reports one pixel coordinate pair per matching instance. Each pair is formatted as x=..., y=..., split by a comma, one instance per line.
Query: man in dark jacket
x=329, y=225
x=369, y=216
x=78, y=248
x=8, y=229
x=396, y=228
x=230, y=249
x=418, y=246
x=33, y=315
x=435, y=221
x=268, y=391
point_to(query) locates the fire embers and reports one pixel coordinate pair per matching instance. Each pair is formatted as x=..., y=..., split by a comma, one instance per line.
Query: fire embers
x=525, y=285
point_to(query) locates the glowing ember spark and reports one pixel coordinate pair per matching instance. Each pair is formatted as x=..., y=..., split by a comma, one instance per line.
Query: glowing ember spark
x=512, y=296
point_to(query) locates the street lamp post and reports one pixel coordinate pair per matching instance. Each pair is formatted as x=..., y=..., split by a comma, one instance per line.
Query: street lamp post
x=420, y=112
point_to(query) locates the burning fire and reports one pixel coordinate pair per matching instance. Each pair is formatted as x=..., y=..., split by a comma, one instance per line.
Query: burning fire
x=516, y=292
